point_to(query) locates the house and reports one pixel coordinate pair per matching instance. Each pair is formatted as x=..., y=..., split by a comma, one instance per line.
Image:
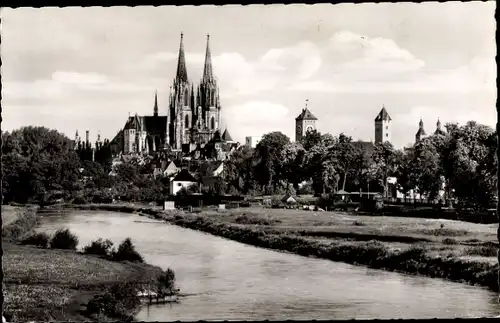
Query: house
x=217, y=169
x=252, y=141
x=171, y=169
x=182, y=180
x=289, y=199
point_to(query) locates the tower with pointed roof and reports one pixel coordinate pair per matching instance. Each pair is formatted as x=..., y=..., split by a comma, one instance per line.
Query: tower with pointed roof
x=439, y=130
x=155, y=107
x=421, y=134
x=304, y=123
x=192, y=118
x=383, y=126
x=180, y=109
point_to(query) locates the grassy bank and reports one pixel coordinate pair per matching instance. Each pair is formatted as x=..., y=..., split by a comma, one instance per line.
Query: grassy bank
x=454, y=250
x=53, y=284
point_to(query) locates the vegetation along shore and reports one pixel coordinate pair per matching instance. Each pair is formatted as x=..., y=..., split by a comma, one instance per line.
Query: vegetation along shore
x=47, y=279
x=454, y=250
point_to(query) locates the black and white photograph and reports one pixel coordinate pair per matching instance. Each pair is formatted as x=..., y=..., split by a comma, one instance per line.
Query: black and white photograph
x=249, y=162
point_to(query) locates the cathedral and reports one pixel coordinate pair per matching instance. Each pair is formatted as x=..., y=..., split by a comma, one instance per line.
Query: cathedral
x=192, y=120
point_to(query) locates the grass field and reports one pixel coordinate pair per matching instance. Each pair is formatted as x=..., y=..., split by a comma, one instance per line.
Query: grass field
x=44, y=284
x=10, y=214
x=444, y=237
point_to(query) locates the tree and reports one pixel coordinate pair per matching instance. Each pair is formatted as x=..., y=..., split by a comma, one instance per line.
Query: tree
x=403, y=170
x=37, y=160
x=293, y=157
x=384, y=159
x=269, y=164
x=426, y=174
x=311, y=139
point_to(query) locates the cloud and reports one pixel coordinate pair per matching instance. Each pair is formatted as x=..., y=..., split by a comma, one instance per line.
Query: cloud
x=362, y=56
x=79, y=78
x=246, y=117
x=239, y=76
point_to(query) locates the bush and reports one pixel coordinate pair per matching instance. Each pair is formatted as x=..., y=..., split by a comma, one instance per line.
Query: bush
x=64, y=239
x=39, y=239
x=80, y=200
x=167, y=280
x=119, y=302
x=99, y=247
x=126, y=252
x=23, y=224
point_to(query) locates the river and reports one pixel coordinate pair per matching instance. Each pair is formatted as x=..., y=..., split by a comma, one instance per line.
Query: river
x=226, y=280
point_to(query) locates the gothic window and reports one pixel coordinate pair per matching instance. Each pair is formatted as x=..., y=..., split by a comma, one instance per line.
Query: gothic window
x=186, y=121
x=212, y=98
x=186, y=97
x=212, y=123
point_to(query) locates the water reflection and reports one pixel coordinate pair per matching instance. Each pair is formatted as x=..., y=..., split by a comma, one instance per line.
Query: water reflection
x=228, y=280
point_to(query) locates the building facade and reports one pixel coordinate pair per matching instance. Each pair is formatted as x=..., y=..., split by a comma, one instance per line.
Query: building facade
x=304, y=123
x=192, y=118
x=383, y=126
x=252, y=141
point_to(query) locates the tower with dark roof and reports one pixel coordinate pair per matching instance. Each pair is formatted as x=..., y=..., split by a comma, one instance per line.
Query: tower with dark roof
x=194, y=115
x=383, y=126
x=304, y=123
x=421, y=134
x=439, y=130
x=180, y=103
x=155, y=107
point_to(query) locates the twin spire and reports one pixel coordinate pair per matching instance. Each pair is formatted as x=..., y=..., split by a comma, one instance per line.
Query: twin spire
x=181, y=76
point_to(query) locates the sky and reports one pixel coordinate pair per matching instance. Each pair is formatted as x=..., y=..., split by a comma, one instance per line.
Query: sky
x=88, y=68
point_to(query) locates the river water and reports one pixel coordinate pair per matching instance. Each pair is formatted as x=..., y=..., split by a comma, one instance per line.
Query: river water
x=226, y=280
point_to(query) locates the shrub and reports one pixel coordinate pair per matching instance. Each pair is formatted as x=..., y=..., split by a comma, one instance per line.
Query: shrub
x=24, y=223
x=39, y=239
x=120, y=301
x=126, y=252
x=99, y=247
x=80, y=200
x=486, y=250
x=449, y=241
x=64, y=239
x=167, y=280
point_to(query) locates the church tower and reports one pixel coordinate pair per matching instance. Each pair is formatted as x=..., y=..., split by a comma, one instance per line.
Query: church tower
x=304, y=123
x=421, y=134
x=208, y=96
x=155, y=108
x=180, y=103
x=383, y=126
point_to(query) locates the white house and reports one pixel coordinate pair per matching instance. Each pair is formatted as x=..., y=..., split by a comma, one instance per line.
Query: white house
x=171, y=169
x=218, y=170
x=252, y=141
x=182, y=180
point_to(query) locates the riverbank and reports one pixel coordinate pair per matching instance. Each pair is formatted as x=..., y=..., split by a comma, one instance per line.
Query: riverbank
x=51, y=284
x=454, y=250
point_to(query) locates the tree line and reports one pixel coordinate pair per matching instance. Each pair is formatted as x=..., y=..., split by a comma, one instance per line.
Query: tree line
x=37, y=162
x=461, y=162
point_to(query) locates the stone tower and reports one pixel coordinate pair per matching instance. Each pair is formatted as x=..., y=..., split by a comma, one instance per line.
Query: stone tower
x=180, y=102
x=383, y=126
x=208, y=114
x=305, y=122
x=439, y=130
x=155, y=108
x=421, y=134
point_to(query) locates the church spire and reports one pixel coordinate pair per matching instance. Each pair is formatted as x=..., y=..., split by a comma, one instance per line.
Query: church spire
x=181, y=64
x=155, y=109
x=208, y=76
